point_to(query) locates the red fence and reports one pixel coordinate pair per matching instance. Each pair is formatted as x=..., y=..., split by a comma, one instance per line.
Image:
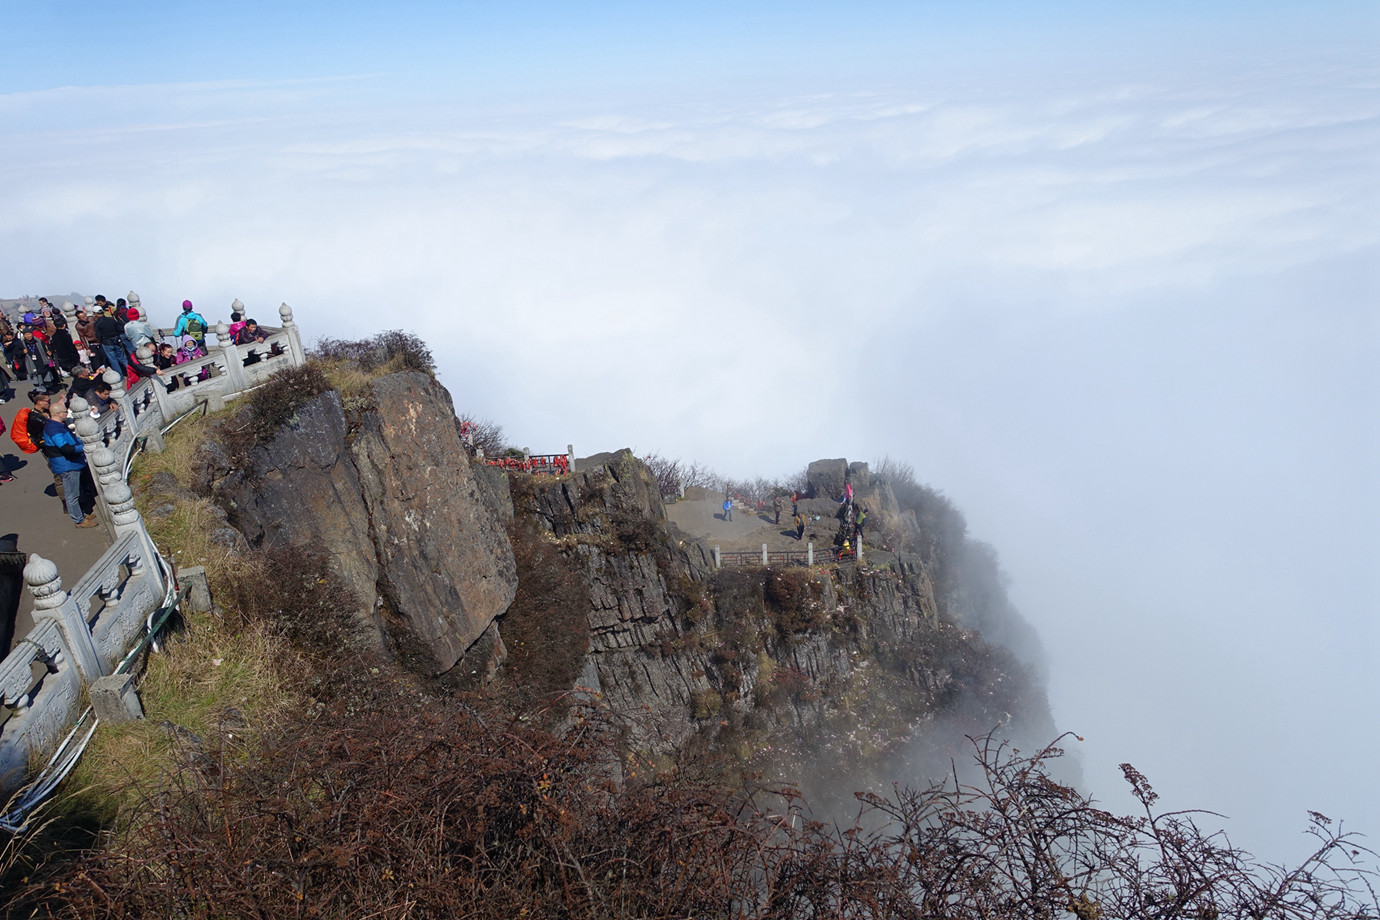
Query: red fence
x=554, y=464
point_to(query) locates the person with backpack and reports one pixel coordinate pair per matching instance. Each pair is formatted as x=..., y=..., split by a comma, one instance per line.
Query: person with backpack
x=27, y=430
x=67, y=459
x=728, y=509
x=191, y=323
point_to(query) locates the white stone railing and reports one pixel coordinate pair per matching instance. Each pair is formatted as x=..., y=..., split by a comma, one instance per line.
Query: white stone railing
x=81, y=634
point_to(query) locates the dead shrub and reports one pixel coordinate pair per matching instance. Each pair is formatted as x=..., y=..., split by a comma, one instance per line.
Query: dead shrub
x=392, y=350
x=268, y=409
x=297, y=593
x=546, y=628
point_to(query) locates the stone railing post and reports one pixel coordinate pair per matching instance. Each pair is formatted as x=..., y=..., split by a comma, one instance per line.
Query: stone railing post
x=53, y=603
x=294, y=333
x=132, y=300
x=118, y=391
x=809, y=554
x=718, y=560
x=570, y=455
x=89, y=433
x=236, y=381
x=764, y=555
x=70, y=311
x=120, y=499
x=153, y=436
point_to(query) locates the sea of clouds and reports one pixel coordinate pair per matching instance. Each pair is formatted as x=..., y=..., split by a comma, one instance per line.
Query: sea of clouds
x=1128, y=323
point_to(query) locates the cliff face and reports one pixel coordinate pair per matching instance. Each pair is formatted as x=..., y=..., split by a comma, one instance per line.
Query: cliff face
x=785, y=662
x=387, y=488
x=540, y=586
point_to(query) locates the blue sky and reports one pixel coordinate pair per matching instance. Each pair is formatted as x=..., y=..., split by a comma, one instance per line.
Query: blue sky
x=1106, y=274
x=517, y=48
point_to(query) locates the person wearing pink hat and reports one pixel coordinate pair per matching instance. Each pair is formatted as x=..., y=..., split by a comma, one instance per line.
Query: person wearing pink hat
x=191, y=323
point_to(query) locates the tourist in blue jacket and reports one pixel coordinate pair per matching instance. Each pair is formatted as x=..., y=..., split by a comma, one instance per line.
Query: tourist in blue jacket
x=191, y=323
x=66, y=458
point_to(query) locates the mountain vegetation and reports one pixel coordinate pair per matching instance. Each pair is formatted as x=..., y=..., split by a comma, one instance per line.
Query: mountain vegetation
x=601, y=723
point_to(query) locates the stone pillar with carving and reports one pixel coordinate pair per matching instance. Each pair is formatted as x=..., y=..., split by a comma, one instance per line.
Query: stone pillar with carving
x=53, y=603
x=234, y=364
x=88, y=429
x=117, y=386
x=133, y=302
x=294, y=334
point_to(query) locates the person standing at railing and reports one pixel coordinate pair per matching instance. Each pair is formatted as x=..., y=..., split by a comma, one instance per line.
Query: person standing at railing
x=67, y=458
x=111, y=333
x=249, y=333
x=83, y=380
x=191, y=323
x=86, y=333
x=64, y=350
x=138, y=330
x=236, y=324
x=165, y=359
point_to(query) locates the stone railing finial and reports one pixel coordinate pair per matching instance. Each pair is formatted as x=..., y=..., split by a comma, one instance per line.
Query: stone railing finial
x=236, y=306
x=132, y=299
x=41, y=575
x=89, y=300
x=116, y=381
x=286, y=313
x=103, y=466
x=121, y=501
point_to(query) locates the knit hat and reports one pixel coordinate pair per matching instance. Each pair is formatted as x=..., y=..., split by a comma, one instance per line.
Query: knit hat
x=186, y=305
x=132, y=313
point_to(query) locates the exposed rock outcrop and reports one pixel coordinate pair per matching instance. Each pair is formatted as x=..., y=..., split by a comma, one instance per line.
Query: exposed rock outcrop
x=390, y=492
x=771, y=657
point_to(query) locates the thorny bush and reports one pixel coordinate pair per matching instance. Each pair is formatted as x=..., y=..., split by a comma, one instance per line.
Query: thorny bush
x=459, y=811
x=393, y=348
x=268, y=409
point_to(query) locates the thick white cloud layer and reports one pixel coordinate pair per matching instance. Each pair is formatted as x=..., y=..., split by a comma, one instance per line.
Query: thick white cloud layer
x=1130, y=327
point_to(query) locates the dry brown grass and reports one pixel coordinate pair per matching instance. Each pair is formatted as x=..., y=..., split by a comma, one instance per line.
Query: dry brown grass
x=209, y=680
x=353, y=380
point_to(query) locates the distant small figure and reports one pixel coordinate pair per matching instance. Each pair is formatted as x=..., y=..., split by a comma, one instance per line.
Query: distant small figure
x=795, y=503
x=799, y=527
x=858, y=524
x=728, y=509
x=776, y=506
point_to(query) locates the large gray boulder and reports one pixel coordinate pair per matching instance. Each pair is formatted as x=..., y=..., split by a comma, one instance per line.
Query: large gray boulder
x=826, y=478
x=396, y=502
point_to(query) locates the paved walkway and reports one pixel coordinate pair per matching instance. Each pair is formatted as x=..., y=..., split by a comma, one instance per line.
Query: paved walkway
x=700, y=514
x=32, y=520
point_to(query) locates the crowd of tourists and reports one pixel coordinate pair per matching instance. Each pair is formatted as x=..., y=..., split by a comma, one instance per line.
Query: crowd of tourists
x=62, y=359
